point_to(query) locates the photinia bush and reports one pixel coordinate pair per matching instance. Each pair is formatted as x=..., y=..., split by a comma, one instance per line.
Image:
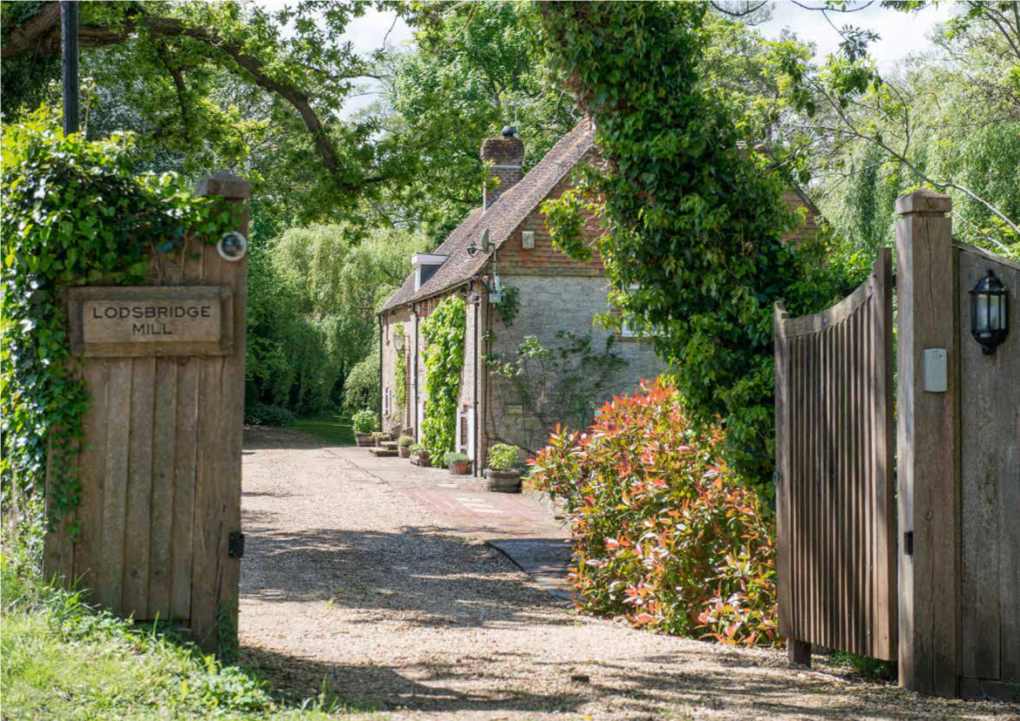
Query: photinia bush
x=664, y=535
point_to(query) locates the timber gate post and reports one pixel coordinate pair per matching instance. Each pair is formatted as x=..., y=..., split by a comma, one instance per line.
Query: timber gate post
x=160, y=516
x=928, y=442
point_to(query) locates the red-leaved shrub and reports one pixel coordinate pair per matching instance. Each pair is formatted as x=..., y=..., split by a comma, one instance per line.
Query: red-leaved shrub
x=663, y=534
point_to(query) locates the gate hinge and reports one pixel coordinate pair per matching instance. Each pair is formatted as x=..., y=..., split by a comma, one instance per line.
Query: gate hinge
x=908, y=543
x=235, y=544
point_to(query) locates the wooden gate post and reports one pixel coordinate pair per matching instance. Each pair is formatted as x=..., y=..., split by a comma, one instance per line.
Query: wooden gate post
x=217, y=568
x=928, y=442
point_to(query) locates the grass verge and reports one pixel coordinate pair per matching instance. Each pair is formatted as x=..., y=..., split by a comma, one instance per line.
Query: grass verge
x=333, y=428
x=62, y=659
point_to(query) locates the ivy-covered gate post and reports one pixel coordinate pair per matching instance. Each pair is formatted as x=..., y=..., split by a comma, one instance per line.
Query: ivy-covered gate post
x=157, y=534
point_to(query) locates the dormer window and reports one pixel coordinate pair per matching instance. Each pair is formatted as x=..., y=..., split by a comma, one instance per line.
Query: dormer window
x=425, y=266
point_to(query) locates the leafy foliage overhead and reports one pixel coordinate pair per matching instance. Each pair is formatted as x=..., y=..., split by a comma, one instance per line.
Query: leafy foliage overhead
x=192, y=75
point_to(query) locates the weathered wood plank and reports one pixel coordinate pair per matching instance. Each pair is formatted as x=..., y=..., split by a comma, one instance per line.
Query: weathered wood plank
x=139, y=496
x=89, y=550
x=115, y=490
x=885, y=522
x=783, y=476
x=163, y=454
x=990, y=478
x=185, y=472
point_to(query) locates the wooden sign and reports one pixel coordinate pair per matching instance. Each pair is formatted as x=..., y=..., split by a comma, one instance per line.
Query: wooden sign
x=151, y=321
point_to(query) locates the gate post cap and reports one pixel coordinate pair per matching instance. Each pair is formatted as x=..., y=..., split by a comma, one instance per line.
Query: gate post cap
x=223, y=184
x=924, y=200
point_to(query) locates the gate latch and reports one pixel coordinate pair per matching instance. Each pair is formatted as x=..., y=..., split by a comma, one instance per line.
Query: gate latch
x=908, y=543
x=235, y=544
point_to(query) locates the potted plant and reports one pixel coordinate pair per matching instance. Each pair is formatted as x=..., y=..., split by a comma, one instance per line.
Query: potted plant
x=419, y=456
x=404, y=444
x=458, y=463
x=378, y=437
x=502, y=474
x=365, y=421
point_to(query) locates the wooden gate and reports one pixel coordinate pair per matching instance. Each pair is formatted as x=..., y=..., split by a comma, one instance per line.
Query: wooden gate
x=159, y=520
x=834, y=444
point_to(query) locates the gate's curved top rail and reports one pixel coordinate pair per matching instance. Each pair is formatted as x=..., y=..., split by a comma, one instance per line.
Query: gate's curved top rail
x=787, y=327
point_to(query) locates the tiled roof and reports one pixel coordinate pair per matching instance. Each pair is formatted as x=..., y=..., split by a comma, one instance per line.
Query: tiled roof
x=501, y=219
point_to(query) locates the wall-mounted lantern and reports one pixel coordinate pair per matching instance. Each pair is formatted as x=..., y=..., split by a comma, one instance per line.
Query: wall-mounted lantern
x=989, y=312
x=398, y=342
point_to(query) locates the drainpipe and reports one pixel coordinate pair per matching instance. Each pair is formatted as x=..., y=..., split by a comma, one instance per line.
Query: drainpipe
x=380, y=371
x=474, y=396
x=417, y=434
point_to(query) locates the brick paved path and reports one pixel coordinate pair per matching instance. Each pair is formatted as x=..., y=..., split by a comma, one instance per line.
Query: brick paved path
x=521, y=525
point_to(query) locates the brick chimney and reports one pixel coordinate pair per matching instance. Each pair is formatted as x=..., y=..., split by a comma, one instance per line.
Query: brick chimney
x=505, y=158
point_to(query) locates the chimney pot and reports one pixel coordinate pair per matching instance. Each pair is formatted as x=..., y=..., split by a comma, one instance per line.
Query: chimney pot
x=505, y=157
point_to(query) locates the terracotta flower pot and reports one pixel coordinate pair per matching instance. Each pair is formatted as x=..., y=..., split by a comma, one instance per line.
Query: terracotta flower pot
x=502, y=481
x=460, y=468
x=404, y=452
x=364, y=439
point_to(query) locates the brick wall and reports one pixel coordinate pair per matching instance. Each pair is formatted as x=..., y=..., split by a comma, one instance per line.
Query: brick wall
x=543, y=259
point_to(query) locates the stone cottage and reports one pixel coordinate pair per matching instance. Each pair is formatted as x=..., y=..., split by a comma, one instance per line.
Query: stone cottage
x=518, y=289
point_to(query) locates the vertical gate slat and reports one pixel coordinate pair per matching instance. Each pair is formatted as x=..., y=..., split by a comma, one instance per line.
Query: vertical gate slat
x=118, y=436
x=184, y=488
x=783, y=430
x=812, y=488
x=868, y=526
x=139, y=495
x=797, y=492
x=164, y=445
x=885, y=505
x=826, y=429
x=89, y=546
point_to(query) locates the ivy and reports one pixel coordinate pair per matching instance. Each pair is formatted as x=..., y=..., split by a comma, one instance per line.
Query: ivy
x=695, y=223
x=74, y=213
x=509, y=304
x=400, y=368
x=443, y=332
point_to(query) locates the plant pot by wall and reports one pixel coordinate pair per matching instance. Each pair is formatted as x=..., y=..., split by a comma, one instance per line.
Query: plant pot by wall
x=460, y=468
x=404, y=452
x=502, y=481
x=364, y=439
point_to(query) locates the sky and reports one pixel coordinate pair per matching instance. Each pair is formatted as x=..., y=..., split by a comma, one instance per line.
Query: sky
x=900, y=33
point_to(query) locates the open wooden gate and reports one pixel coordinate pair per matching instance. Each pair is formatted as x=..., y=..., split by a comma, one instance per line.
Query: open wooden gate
x=834, y=444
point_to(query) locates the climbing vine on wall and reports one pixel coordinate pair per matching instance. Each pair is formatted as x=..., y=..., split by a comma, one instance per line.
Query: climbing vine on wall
x=75, y=212
x=443, y=332
x=400, y=368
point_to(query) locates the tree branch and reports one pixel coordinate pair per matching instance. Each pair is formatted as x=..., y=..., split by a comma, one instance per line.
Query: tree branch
x=36, y=35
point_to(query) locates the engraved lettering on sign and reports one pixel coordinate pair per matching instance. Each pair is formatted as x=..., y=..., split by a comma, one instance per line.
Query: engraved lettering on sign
x=127, y=321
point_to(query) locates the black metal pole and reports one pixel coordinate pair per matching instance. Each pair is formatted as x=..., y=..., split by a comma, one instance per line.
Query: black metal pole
x=69, y=67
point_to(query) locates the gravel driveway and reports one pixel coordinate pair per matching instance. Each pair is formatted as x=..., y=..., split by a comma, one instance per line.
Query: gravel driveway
x=350, y=585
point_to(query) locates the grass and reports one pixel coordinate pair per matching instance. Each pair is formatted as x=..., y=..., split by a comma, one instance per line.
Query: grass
x=61, y=659
x=335, y=428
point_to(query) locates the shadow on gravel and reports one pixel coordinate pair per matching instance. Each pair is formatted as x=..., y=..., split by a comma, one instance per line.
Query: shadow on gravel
x=438, y=688
x=436, y=579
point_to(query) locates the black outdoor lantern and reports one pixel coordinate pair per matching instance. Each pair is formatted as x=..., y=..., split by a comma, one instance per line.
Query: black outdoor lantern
x=989, y=312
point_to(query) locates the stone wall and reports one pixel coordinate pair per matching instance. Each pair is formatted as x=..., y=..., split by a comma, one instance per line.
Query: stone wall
x=547, y=306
